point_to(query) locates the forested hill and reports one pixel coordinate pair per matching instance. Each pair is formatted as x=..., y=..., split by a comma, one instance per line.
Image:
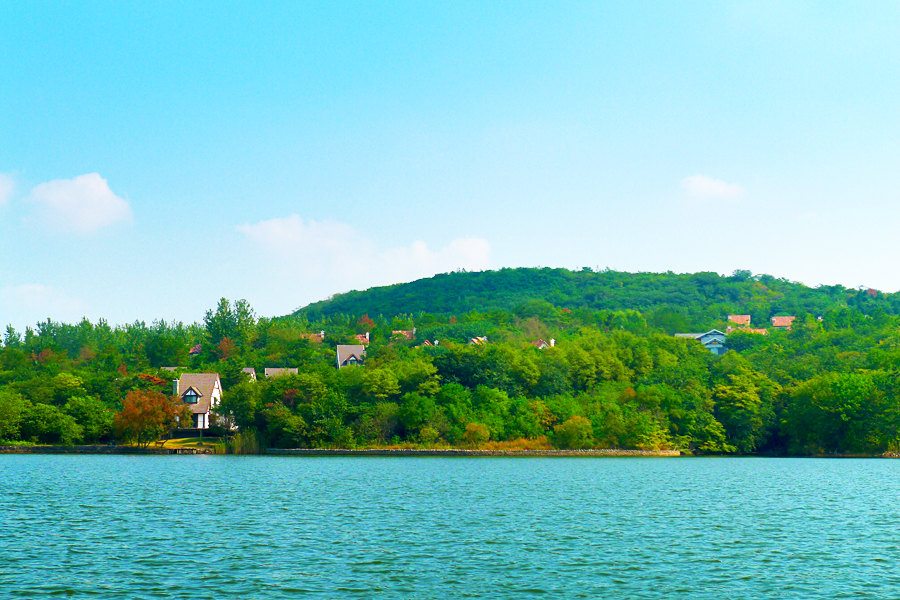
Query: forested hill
x=670, y=301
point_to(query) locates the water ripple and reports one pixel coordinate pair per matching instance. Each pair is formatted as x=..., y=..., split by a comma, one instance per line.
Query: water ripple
x=331, y=527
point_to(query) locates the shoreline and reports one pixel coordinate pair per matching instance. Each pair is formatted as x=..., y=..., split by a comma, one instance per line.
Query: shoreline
x=446, y=452
x=609, y=452
x=97, y=450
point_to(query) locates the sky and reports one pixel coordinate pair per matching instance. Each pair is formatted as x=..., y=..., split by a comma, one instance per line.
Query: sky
x=157, y=157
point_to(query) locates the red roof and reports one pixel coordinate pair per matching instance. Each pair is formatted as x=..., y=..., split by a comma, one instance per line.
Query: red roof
x=739, y=319
x=782, y=321
x=196, y=349
x=408, y=334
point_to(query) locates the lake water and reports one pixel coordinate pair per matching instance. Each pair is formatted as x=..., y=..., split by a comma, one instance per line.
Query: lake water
x=336, y=527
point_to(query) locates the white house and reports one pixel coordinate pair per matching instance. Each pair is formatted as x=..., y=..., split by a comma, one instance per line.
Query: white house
x=202, y=392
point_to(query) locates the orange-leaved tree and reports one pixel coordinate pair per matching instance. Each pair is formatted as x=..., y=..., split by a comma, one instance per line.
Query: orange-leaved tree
x=146, y=415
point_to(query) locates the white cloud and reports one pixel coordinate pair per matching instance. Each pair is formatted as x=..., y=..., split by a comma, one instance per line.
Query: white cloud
x=81, y=205
x=315, y=259
x=701, y=186
x=33, y=302
x=7, y=185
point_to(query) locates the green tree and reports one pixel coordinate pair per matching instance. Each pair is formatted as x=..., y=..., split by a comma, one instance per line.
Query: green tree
x=49, y=425
x=240, y=404
x=476, y=434
x=576, y=433
x=13, y=408
x=92, y=415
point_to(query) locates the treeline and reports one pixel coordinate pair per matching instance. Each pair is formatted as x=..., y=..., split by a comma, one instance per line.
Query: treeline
x=615, y=378
x=670, y=301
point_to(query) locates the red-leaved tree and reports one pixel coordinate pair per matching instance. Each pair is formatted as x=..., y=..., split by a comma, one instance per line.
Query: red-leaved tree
x=146, y=415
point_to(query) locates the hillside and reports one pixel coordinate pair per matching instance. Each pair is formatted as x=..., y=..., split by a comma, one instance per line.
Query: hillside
x=669, y=300
x=518, y=358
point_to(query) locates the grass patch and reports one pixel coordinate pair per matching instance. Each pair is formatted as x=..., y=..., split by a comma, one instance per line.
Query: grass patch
x=193, y=442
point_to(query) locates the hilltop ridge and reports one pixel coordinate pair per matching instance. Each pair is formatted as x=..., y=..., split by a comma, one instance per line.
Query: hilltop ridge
x=669, y=300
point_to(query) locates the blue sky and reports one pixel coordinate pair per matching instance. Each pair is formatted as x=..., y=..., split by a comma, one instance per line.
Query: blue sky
x=156, y=158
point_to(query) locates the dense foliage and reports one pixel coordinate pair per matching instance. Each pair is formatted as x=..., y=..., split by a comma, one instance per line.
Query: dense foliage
x=616, y=377
x=669, y=301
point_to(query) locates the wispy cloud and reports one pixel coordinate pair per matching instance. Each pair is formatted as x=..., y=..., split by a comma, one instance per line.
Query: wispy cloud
x=80, y=205
x=324, y=257
x=701, y=186
x=7, y=185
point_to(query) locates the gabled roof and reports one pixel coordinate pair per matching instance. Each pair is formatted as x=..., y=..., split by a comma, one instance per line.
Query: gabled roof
x=478, y=341
x=196, y=350
x=700, y=336
x=739, y=319
x=204, y=383
x=409, y=334
x=250, y=371
x=363, y=338
x=279, y=371
x=347, y=351
x=540, y=344
x=314, y=337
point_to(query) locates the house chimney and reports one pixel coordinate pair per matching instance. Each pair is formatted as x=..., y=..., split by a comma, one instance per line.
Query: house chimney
x=322, y=334
x=367, y=336
x=552, y=342
x=174, y=387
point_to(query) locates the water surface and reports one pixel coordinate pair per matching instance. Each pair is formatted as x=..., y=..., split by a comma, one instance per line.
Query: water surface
x=421, y=527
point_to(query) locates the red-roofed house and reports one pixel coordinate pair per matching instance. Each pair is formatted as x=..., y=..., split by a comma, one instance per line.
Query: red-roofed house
x=196, y=350
x=730, y=330
x=406, y=333
x=363, y=338
x=739, y=319
x=314, y=337
x=541, y=344
x=783, y=322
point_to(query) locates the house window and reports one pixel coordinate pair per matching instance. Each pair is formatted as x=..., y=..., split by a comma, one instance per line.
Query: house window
x=191, y=397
